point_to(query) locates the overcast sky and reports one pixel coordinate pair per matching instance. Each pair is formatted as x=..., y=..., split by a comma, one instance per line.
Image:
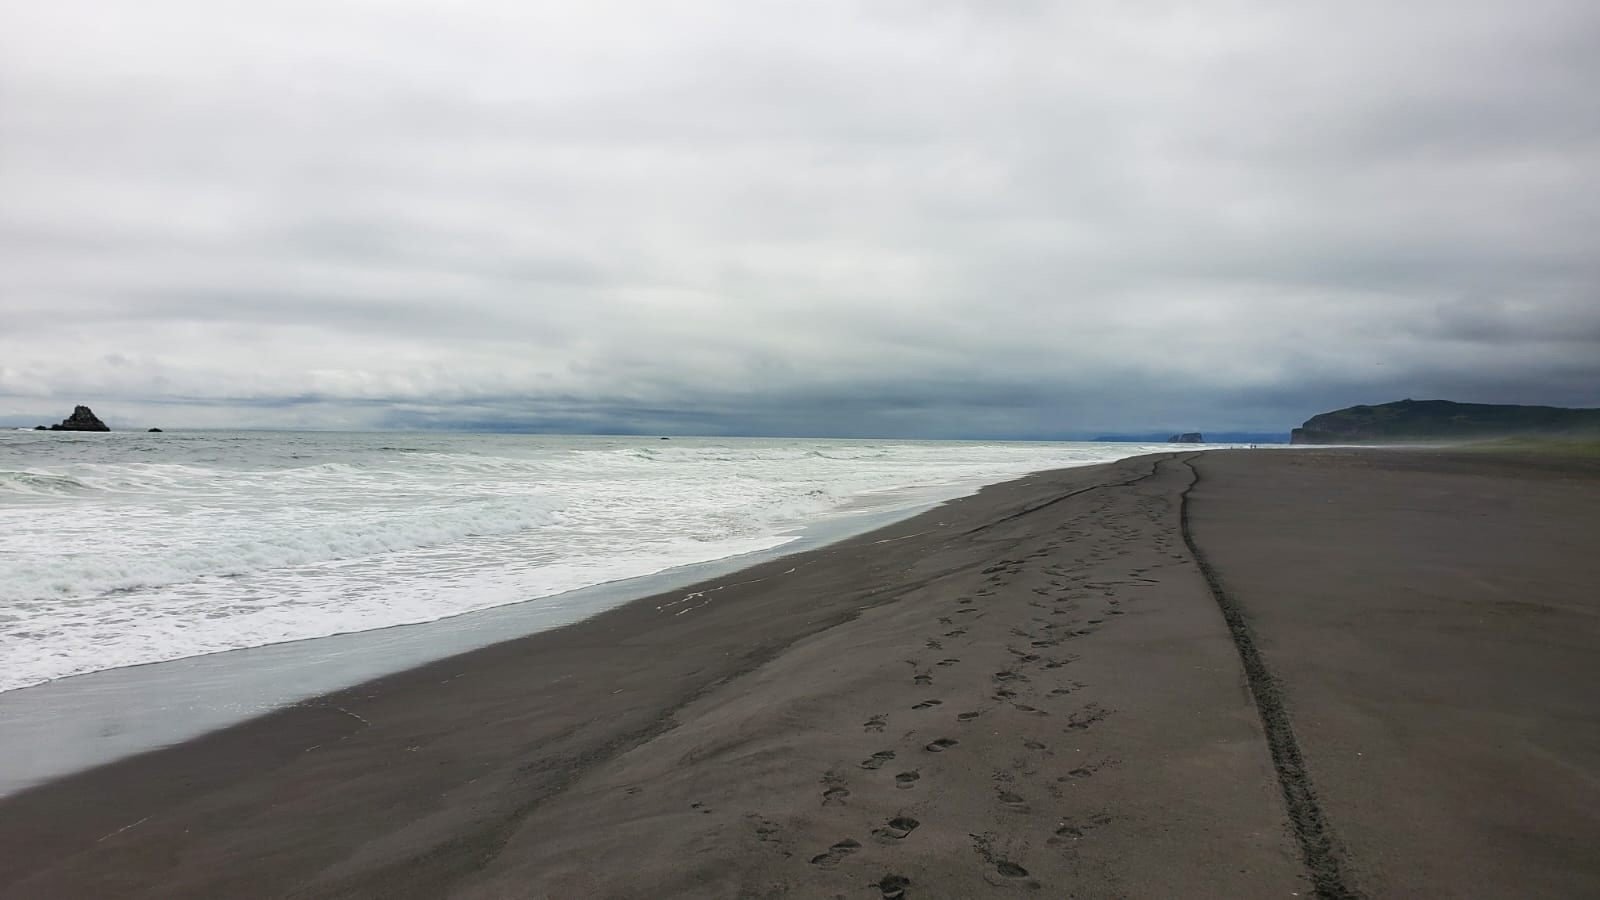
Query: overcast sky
x=878, y=218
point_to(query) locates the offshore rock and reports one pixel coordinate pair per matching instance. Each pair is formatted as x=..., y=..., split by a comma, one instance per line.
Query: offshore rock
x=82, y=419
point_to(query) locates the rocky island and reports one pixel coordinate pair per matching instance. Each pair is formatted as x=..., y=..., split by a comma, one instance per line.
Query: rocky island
x=82, y=419
x=1413, y=421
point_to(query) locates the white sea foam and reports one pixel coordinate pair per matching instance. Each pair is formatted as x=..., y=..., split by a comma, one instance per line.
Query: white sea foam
x=132, y=549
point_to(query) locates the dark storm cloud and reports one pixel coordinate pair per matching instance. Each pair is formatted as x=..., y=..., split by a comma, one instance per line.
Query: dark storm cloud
x=923, y=219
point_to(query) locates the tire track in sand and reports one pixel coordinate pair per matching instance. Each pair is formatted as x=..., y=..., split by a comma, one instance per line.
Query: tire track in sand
x=1311, y=831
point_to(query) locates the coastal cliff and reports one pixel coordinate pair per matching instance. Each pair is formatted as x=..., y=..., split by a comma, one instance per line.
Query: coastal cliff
x=1442, y=420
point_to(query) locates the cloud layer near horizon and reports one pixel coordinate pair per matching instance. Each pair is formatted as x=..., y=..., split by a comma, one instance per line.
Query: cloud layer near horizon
x=921, y=219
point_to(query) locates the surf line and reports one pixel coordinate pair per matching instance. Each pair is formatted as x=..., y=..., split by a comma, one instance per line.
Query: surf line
x=1310, y=827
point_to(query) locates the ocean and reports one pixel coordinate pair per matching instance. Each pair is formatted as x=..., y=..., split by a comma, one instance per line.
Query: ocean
x=126, y=549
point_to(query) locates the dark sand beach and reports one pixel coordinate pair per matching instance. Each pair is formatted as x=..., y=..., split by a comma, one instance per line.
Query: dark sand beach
x=1222, y=674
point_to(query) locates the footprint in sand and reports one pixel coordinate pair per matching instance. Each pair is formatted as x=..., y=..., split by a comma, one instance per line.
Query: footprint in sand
x=907, y=780
x=1087, y=716
x=1078, y=830
x=1088, y=769
x=947, y=662
x=940, y=745
x=893, y=886
x=876, y=723
x=766, y=831
x=835, y=853
x=922, y=678
x=877, y=760
x=896, y=828
x=1014, y=802
x=1071, y=832
x=835, y=796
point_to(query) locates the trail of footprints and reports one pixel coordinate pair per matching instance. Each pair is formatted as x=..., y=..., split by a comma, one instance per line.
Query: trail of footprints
x=1063, y=603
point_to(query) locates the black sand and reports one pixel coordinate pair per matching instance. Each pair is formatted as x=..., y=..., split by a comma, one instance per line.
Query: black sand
x=1434, y=621
x=1032, y=689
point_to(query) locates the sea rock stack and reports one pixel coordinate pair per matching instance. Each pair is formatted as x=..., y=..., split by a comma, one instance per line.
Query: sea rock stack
x=82, y=419
x=1188, y=437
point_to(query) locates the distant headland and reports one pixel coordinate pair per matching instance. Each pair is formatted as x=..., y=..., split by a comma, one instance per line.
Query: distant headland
x=1443, y=420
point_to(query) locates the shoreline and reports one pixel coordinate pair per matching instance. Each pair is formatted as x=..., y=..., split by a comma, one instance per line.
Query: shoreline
x=119, y=566
x=636, y=686
x=1033, y=687
x=127, y=710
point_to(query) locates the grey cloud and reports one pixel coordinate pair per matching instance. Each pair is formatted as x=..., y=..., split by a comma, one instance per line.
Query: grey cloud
x=900, y=218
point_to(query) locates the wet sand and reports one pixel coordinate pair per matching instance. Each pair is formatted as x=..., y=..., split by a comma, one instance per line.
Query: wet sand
x=1034, y=689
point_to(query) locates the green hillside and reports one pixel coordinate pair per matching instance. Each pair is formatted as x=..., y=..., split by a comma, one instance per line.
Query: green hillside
x=1409, y=421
